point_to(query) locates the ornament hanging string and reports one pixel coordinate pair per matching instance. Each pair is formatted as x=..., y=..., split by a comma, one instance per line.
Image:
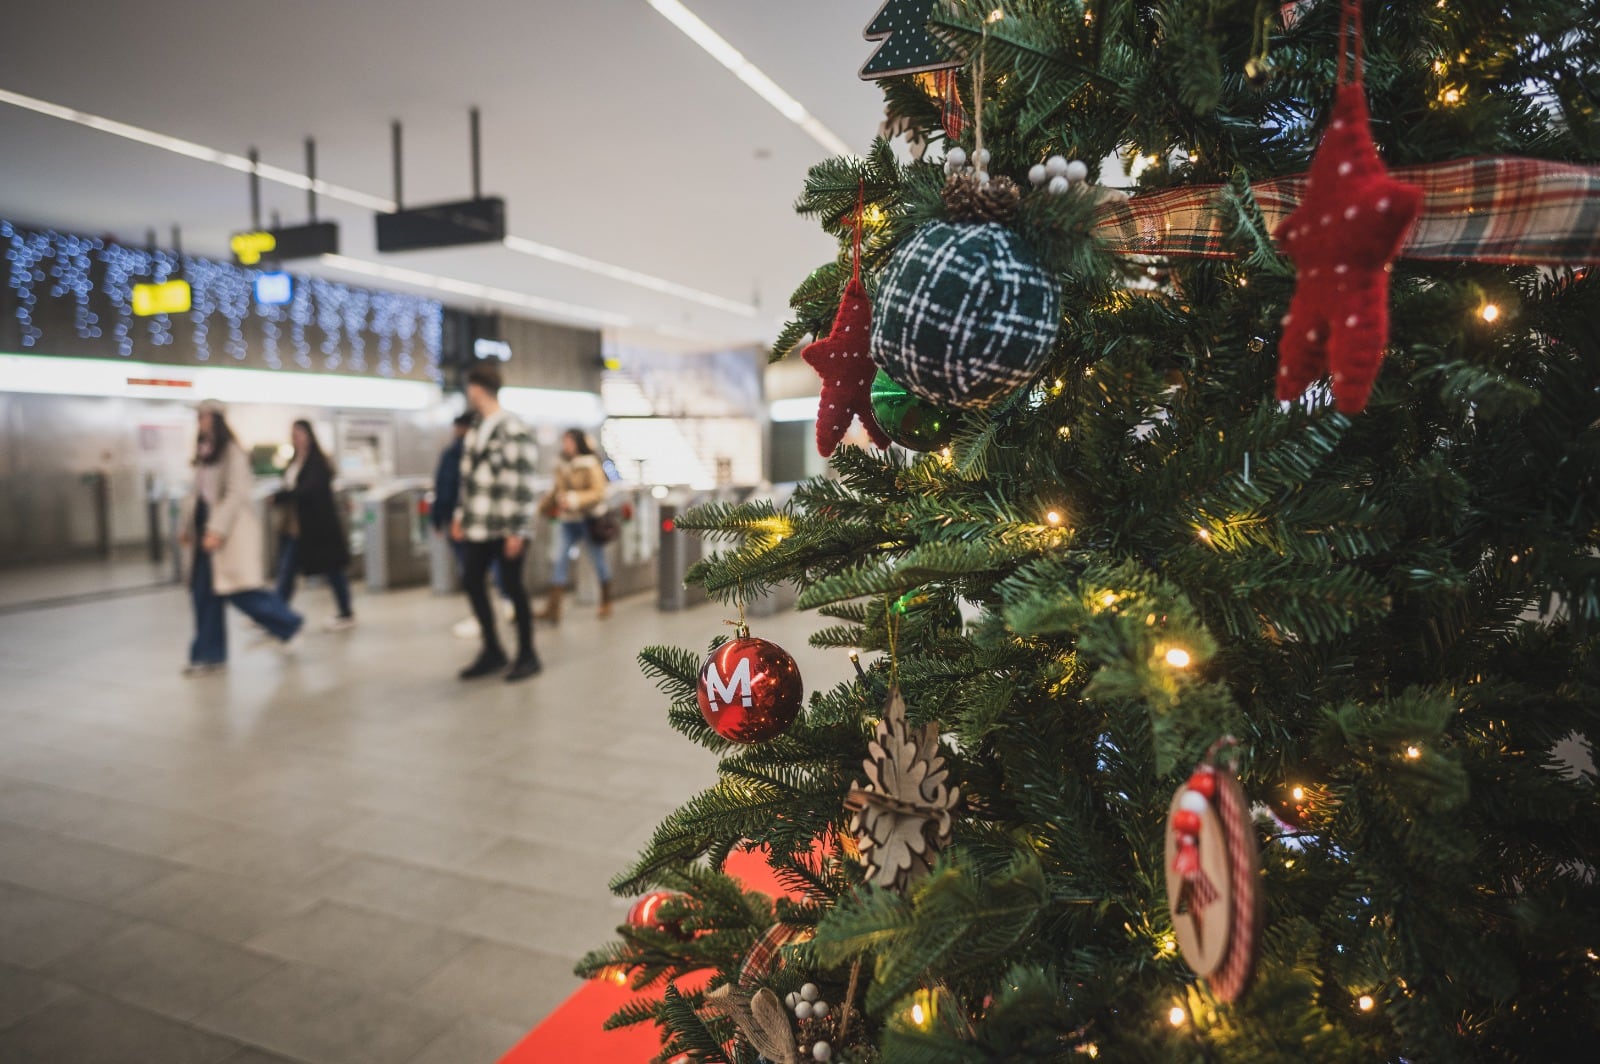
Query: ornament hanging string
x=1350, y=34
x=740, y=628
x=859, y=224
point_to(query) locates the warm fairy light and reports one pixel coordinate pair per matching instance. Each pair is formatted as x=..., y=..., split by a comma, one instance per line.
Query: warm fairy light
x=1438, y=66
x=1205, y=536
x=995, y=16
x=1451, y=96
x=1178, y=658
x=1366, y=1002
x=1413, y=752
x=1090, y=1050
x=1176, y=1015
x=1298, y=794
x=923, y=1008
x=1053, y=519
x=873, y=215
x=1108, y=599
x=1167, y=945
x=1490, y=312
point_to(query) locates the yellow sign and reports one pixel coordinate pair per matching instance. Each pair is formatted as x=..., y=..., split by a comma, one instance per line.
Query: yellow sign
x=169, y=298
x=249, y=247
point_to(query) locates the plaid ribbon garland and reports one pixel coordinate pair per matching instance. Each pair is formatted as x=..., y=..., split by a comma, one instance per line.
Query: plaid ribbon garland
x=1498, y=209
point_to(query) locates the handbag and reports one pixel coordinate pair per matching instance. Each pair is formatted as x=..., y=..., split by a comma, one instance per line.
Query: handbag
x=603, y=528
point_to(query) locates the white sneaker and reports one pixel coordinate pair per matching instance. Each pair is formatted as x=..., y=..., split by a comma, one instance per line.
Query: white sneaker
x=467, y=628
x=339, y=624
x=196, y=669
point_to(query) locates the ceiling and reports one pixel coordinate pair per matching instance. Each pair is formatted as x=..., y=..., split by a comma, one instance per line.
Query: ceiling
x=609, y=133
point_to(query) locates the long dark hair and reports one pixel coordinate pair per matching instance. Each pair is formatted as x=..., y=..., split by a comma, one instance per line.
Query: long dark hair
x=313, y=449
x=580, y=441
x=221, y=438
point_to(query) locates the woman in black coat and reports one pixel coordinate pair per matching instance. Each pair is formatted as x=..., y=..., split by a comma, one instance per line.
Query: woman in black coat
x=313, y=541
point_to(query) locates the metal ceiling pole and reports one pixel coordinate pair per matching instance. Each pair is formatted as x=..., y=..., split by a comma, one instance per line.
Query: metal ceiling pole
x=311, y=172
x=255, y=190
x=394, y=134
x=477, y=155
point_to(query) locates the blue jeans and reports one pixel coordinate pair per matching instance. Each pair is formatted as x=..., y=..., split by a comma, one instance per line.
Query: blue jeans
x=574, y=533
x=210, y=646
x=289, y=570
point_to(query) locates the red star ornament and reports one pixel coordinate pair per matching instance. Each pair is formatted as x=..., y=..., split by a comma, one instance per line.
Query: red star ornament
x=841, y=360
x=1342, y=239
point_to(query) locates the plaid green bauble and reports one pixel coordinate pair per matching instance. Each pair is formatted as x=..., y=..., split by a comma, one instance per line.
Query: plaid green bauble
x=963, y=315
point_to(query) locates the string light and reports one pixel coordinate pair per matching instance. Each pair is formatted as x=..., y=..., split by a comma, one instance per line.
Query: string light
x=1490, y=312
x=1298, y=793
x=923, y=1009
x=1177, y=1015
x=1413, y=752
x=1053, y=519
x=995, y=16
x=1365, y=1002
x=1178, y=658
x=1451, y=96
x=1205, y=537
x=1108, y=599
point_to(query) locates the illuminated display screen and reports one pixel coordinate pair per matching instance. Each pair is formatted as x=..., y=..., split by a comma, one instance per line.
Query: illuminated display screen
x=74, y=296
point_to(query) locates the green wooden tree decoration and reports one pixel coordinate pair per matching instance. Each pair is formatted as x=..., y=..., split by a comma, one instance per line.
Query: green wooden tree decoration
x=908, y=47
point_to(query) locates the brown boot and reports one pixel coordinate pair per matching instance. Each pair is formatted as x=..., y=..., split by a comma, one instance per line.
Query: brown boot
x=551, y=610
x=605, y=600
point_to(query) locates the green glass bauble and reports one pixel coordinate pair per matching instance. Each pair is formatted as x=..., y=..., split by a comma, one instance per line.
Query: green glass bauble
x=909, y=420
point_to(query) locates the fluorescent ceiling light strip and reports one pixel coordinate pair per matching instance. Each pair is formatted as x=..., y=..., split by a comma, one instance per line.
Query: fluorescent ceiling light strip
x=622, y=273
x=357, y=198
x=473, y=290
x=719, y=49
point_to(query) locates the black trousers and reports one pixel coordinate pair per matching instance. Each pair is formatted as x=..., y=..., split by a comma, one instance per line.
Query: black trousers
x=477, y=558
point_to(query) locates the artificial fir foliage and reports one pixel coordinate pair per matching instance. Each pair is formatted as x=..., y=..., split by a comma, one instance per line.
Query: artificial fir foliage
x=1394, y=611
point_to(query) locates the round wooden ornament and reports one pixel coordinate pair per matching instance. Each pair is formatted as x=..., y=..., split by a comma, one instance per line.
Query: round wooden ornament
x=1212, y=889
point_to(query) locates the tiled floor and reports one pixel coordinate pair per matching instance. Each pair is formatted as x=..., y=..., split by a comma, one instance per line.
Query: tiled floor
x=345, y=857
x=125, y=572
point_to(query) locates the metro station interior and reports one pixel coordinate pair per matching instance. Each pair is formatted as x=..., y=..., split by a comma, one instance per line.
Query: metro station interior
x=348, y=854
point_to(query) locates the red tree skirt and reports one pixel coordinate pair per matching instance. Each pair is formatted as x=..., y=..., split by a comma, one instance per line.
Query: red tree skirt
x=574, y=1031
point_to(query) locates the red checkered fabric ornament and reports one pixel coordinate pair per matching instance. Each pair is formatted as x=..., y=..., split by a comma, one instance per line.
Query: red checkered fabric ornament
x=1342, y=239
x=842, y=361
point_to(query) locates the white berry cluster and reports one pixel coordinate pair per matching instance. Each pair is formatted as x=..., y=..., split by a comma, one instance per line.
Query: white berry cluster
x=1058, y=175
x=955, y=162
x=807, y=1004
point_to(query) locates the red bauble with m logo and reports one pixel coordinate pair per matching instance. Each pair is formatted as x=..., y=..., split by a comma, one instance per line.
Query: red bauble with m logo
x=749, y=689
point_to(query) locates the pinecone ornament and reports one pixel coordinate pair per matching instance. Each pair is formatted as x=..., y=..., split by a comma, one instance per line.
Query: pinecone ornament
x=972, y=197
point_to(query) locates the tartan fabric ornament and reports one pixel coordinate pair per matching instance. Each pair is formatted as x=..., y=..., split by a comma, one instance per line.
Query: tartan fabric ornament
x=1342, y=239
x=965, y=316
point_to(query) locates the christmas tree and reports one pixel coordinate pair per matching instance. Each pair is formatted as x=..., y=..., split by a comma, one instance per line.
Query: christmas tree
x=1389, y=603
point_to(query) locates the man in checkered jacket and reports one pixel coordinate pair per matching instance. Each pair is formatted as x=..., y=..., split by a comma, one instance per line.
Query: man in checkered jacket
x=494, y=520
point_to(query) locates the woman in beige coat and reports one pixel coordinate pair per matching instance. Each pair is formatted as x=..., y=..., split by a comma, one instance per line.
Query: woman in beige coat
x=579, y=496
x=223, y=534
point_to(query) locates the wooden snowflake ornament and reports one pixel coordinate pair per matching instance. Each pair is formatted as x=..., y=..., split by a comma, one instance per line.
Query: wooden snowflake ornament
x=902, y=816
